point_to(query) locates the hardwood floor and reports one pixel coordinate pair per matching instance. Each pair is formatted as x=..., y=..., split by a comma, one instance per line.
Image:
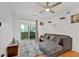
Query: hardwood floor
x=66, y=54
x=70, y=54
x=42, y=55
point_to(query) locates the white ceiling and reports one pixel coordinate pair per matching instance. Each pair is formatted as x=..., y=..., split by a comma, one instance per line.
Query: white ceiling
x=28, y=8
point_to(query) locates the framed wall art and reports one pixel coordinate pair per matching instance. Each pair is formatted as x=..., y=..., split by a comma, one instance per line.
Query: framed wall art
x=75, y=18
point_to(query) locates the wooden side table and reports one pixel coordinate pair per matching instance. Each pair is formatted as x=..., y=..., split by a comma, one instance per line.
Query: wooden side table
x=12, y=50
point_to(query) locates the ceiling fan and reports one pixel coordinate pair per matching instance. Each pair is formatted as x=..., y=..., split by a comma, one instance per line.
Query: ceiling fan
x=49, y=8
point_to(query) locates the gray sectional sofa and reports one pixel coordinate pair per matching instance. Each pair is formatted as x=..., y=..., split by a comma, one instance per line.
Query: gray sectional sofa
x=55, y=44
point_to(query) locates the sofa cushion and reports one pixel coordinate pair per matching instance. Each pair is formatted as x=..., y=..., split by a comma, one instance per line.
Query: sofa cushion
x=56, y=39
x=50, y=47
x=52, y=37
x=47, y=36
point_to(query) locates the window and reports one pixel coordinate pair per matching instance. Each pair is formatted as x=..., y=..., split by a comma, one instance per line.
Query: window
x=27, y=31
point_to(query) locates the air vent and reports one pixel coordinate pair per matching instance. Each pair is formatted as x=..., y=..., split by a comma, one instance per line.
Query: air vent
x=49, y=22
x=62, y=18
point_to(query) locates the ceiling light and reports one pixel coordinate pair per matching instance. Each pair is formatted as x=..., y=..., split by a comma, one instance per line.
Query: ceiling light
x=47, y=9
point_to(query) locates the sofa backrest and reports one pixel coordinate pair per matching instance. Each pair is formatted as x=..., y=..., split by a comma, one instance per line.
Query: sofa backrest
x=63, y=40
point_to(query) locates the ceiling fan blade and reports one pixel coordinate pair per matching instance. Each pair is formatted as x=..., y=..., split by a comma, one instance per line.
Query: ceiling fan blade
x=47, y=4
x=52, y=11
x=41, y=5
x=56, y=4
x=42, y=11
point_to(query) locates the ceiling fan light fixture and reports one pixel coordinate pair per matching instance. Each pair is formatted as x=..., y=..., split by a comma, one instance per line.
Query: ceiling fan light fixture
x=47, y=9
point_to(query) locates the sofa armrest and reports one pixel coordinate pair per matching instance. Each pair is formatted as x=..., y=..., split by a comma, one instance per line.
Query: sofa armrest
x=67, y=44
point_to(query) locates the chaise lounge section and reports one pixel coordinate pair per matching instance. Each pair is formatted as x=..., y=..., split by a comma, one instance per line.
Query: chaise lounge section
x=64, y=43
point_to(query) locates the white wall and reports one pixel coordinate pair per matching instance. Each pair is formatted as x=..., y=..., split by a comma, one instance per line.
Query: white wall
x=6, y=32
x=16, y=26
x=63, y=27
x=45, y=28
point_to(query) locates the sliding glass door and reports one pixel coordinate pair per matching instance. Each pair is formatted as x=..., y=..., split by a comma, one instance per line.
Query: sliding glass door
x=27, y=31
x=32, y=31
